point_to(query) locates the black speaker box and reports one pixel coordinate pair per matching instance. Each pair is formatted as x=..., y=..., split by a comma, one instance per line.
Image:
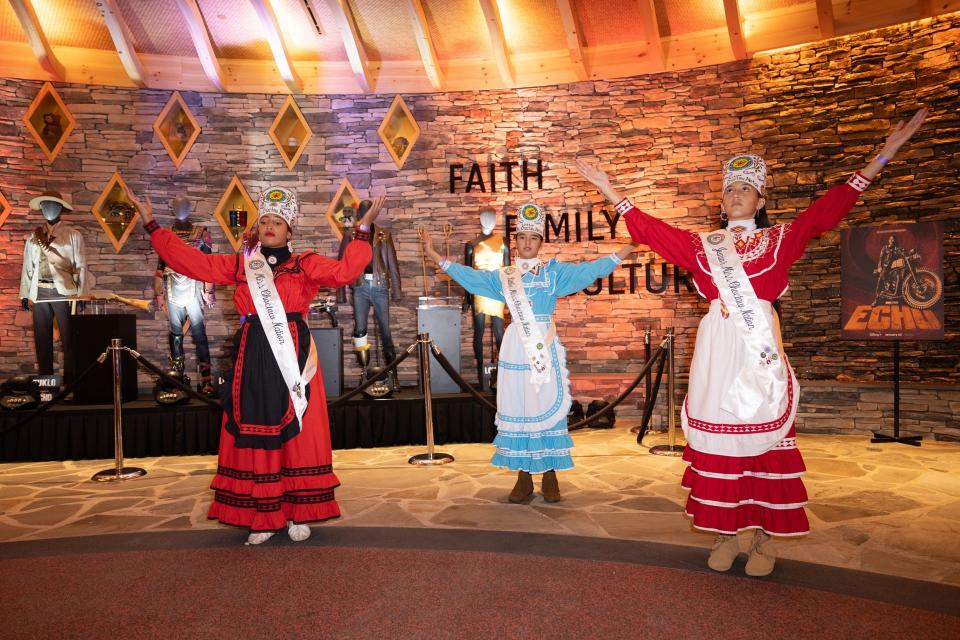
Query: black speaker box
x=329, y=342
x=91, y=336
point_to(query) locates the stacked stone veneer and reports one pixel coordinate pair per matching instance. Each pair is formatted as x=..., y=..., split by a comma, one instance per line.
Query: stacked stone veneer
x=816, y=113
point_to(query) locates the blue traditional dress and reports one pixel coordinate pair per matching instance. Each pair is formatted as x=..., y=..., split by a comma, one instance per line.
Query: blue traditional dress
x=531, y=419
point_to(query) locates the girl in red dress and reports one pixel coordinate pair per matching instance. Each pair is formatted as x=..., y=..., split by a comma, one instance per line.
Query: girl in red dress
x=274, y=471
x=744, y=469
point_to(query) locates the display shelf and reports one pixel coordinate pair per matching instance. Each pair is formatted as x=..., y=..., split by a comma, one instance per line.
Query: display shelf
x=345, y=197
x=290, y=132
x=5, y=209
x=116, y=211
x=177, y=128
x=49, y=121
x=236, y=212
x=399, y=131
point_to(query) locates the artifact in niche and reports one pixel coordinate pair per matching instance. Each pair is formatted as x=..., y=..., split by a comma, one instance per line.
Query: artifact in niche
x=120, y=213
x=52, y=130
x=179, y=133
x=400, y=145
x=238, y=218
x=292, y=144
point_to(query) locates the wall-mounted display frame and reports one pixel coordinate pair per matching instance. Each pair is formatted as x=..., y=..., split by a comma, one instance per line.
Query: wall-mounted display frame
x=177, y=128
x=290, y=132
x=346, y=196
x=236, y=212
x=49, y=121
x=5, y=209
x=116, y=211
x=399, y=131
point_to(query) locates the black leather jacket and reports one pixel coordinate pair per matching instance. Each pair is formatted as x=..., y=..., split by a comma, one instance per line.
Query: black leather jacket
x=386, y=272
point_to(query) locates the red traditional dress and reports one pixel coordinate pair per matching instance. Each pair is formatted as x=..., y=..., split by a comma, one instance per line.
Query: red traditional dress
x=736, y=479
x=271, y=468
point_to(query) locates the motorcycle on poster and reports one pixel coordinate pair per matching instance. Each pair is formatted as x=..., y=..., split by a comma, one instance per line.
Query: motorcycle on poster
x=891, y=282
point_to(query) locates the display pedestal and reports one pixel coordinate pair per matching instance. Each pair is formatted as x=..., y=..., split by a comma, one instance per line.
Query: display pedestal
x=91, y=335
x=440, y=317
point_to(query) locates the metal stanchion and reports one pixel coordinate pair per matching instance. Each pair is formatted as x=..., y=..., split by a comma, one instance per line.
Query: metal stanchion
x=119, y=472
x=648, y=386
x=672, y=449
x=430, y=457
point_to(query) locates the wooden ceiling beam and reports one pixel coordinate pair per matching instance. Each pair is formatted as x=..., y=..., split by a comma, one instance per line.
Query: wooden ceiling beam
x=38, y=41
x=571, y=28
x=651, y=31
x=428, y=52
x=735, y=28
x=201, y=42
x=122, y=41
x=271, y=29
x=356, y=52
x=828, y=27
x=491, y=14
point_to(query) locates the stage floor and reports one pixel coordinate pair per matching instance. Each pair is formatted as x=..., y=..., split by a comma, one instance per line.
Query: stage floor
x=889, y=509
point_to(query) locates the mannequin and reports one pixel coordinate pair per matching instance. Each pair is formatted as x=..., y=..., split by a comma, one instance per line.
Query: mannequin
x=182, y=297
x=379, y=282
x=54, y=266
x=486, y=252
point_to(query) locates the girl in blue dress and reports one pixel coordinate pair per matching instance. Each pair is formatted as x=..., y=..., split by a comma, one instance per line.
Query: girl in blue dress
x=533, y=385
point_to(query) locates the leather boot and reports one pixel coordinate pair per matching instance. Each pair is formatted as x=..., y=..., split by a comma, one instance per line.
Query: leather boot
x=523, y=489
x=725, y=550
x=550, y=486
x=762, y=558
x=206, y=380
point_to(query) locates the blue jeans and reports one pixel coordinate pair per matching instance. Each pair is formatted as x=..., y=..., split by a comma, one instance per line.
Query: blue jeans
x=364, y=296
x=178, y=315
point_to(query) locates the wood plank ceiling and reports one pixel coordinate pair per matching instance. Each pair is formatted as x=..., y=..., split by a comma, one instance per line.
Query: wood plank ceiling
x=410, y=46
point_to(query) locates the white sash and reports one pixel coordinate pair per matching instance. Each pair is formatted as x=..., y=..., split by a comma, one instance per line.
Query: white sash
x=763, y=378
x=273, y=319
x=535, y=342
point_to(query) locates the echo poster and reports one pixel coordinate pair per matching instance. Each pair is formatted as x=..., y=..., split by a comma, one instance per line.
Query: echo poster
x=891, y=282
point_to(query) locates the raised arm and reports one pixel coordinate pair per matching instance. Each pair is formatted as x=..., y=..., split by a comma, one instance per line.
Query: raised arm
x=574, y=277
x=677, y=246
x=827, y=211
x=327, y=272
x=193, y=263
x=484, y=283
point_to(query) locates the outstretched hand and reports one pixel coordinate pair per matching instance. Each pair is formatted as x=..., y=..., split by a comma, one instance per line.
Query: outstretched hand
x=903, y=132
x=427, y=241
x=371, y=215
x=146, y=211
x=598, y=177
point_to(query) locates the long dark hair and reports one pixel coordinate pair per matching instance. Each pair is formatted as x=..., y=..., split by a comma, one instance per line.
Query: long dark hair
x=763, y=221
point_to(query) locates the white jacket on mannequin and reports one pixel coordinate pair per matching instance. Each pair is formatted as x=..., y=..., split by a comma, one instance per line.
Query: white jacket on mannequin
x=68, y=263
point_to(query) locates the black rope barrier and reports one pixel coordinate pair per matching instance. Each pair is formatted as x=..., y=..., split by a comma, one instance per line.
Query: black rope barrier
x=650, y=400
x=661, y=353
x=369, y=383
x=43, y=408
x=466, y=386
x=152, y=368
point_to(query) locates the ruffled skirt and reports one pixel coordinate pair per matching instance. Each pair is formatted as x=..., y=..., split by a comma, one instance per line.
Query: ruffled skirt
x=531, y=422
x=739, y=475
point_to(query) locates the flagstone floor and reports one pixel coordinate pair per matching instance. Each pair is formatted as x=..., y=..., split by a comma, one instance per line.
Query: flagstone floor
x=890, y=508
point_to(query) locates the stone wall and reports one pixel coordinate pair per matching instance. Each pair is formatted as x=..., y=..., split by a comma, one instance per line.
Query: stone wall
x=816, y=113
